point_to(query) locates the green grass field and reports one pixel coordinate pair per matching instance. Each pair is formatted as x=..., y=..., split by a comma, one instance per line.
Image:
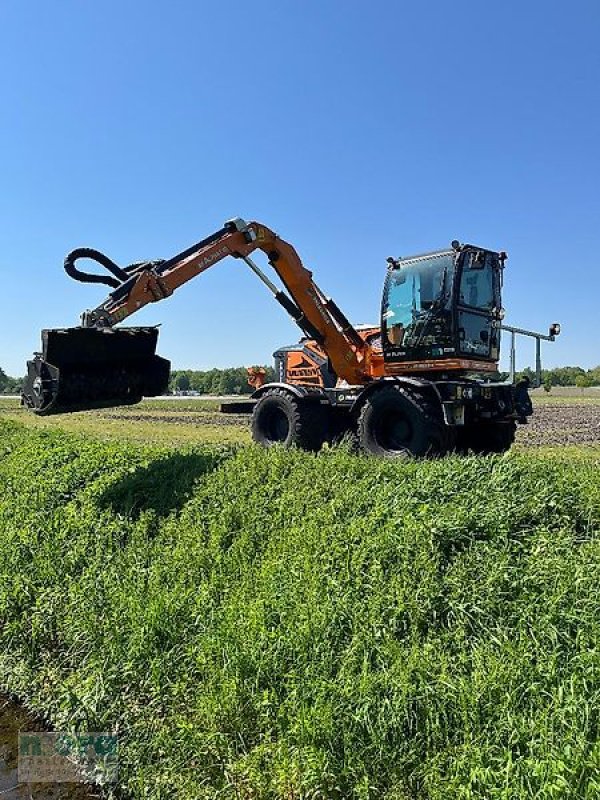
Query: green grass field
x=189, y=422
x=281, y=625
x=566, y=395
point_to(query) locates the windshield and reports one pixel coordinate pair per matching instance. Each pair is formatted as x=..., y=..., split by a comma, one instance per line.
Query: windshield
x=412, y=292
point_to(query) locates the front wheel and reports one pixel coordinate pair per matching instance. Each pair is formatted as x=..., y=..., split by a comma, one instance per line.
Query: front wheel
x=395, y=423
x=279, y=417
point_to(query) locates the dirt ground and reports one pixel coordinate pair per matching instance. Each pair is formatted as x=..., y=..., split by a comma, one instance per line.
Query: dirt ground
x=561, y=424
x=557, y=422
x=179, y=418
x=14, y=719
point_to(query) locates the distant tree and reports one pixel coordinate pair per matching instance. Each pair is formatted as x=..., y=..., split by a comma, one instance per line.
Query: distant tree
x=182, y=382
x=547, y=384
x=526, y=373
x=529, y=373
x=566, y=376
x=594, y=375
x=582, y=381
x=9, y=385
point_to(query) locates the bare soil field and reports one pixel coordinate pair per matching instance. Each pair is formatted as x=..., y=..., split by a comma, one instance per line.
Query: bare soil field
x=178, y=418
x=558, y=421
x=562, y=424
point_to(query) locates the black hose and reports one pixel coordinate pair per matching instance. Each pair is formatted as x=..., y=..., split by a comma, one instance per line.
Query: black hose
x=122, y=275
x=86, y=277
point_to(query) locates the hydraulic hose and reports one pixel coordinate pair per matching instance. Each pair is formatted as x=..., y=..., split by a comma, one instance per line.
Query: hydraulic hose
x=87, y=277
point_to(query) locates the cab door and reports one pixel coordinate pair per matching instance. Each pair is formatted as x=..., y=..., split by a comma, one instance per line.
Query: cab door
x=478, y=292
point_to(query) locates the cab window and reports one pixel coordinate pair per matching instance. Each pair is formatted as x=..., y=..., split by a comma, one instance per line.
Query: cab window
x=477, y=280
x=412, y=292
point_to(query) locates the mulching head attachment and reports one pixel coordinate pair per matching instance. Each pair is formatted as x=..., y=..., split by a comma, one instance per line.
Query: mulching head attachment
x=85, y=368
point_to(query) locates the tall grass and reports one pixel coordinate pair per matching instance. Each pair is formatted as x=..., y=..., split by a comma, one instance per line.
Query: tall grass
x=279, y=625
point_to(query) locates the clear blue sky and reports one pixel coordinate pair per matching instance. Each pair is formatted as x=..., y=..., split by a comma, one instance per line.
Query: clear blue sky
x=357, y=130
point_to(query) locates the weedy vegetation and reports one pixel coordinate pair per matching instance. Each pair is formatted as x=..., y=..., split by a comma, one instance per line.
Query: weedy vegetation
x=281, y=625
x=170, y=422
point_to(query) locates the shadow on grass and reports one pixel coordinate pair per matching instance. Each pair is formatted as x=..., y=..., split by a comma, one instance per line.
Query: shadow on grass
x=162, y=487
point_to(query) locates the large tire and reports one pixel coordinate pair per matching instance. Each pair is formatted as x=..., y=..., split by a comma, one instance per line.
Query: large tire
x=486, y=437
x=396, y=422
x=279, y=417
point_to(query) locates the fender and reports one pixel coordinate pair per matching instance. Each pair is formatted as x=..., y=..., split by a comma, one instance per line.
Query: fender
x=419, y=383
x=297, y=391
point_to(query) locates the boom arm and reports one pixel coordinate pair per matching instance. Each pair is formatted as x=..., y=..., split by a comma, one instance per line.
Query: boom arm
x=318, y=316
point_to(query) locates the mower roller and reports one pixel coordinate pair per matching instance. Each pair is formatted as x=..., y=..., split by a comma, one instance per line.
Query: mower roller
x=89, y=368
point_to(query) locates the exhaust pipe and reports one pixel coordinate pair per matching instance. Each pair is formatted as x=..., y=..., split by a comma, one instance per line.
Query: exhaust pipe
x=80, y=369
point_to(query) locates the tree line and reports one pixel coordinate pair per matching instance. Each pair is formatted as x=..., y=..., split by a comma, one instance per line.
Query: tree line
x=234, y=380
x=9, y=385
x=566, y=376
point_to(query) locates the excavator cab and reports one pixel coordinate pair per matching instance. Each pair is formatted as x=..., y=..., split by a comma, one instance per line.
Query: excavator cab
x=443, y=307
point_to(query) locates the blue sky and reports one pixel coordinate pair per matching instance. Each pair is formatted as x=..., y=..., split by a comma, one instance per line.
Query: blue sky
x=356, y=130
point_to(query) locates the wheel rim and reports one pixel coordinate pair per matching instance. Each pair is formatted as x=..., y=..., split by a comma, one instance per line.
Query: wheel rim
x=276, y=425
x=394, y=431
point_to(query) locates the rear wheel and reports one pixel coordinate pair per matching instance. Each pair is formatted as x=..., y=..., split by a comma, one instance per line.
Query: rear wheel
x=395, y=423
x=486, y=437
x=280, y=417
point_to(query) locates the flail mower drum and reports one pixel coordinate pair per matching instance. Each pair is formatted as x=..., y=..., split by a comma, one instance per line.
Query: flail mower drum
x=89, y=368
